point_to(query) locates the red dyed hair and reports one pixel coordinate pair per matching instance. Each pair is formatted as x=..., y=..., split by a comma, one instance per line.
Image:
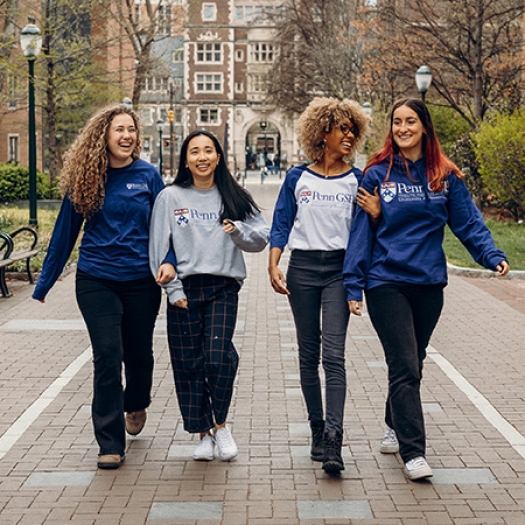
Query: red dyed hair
x=438, y=165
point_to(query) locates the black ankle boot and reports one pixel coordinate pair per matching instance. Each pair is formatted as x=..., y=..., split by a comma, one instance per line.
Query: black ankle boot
x=317, y=449
x=332, y=460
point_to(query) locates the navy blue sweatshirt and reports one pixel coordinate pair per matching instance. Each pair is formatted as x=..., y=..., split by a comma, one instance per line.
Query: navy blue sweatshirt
x=405, y=248
x=115, y=240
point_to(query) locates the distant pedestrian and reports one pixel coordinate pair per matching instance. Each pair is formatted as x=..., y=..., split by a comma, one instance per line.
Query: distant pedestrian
x=110, y=190
x=312, y=216
x=210, y=220
x=400, y=264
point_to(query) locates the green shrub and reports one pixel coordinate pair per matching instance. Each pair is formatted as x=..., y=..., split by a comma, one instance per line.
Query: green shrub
x=500, y=151
x=14, y=183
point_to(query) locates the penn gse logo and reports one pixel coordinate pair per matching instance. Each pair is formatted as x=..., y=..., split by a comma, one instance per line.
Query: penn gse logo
x=305, y=196
x=388, y=191
x=182, y=216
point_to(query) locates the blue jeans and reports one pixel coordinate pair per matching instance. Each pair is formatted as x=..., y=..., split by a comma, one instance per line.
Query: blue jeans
x=404, y=318
x=120, y=318
x=318, y=301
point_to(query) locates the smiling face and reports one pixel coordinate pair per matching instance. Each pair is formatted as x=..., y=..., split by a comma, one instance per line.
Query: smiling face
x=341, y=139
x=407, y=132
x=121, y=140
x=202, y=160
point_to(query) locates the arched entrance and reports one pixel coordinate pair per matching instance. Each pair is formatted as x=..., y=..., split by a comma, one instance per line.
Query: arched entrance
x=263, y=146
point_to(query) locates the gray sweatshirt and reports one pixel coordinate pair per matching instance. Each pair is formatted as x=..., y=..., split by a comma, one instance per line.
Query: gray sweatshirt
x=189, y=218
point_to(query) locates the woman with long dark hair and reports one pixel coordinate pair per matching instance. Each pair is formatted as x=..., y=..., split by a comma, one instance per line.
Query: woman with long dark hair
x=209, y=219
x=400, y=264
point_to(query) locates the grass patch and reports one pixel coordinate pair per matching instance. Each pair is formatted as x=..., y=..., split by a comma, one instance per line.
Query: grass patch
x=12, y=218
x=508, y=236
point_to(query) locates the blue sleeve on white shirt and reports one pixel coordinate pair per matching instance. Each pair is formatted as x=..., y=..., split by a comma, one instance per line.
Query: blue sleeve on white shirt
x=285, y=210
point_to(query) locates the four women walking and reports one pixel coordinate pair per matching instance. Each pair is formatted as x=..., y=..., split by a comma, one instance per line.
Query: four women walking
x=192, y=234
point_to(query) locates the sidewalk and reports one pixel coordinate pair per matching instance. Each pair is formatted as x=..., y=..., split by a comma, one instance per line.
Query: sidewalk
x=474, y=403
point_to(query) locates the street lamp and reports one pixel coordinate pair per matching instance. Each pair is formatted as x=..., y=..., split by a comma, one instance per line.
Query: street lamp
x=160, y=125
x=31, y=43
x=127, y=102
x=423, y=80
x=367, y=108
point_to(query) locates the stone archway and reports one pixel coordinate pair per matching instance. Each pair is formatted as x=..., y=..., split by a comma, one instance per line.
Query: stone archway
x=262, y=145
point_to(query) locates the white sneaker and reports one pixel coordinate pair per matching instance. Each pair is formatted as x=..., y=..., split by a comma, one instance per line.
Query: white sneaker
x=389, y=444
x=226, y=446
x=205, y=450
x=417, y=468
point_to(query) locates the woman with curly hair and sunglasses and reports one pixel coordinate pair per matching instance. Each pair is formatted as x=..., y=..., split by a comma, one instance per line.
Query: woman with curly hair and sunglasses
x=400, y=264
x=312, y=216
x=107, y=188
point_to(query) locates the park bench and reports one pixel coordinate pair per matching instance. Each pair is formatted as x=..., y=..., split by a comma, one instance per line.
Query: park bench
x=14, y=247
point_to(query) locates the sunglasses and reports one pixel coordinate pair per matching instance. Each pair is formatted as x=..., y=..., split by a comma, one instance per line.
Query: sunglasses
x=345, y=129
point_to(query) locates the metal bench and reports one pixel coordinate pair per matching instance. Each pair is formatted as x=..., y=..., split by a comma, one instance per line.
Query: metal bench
x=14, y=247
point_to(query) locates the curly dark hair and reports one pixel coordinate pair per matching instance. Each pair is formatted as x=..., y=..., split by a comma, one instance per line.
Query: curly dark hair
x=321, y=115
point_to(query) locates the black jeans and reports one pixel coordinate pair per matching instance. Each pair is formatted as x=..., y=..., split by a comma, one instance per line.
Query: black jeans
x=404, y=318
x=120, y=318
x=320, y=310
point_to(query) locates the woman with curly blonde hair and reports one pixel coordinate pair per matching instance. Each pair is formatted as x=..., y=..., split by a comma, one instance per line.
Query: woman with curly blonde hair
x=313, y=215
x=109, y=190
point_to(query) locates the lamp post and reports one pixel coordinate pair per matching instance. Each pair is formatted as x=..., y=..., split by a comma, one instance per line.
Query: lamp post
x=423, y=80
x=31, y=43
x=160, y=125
x=127, y=102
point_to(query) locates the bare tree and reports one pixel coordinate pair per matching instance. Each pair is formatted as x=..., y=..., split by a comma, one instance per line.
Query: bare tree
x=143, y=24
x=473, y=48
x=318, y=53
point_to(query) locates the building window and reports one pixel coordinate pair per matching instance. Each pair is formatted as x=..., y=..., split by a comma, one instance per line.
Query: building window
x=209, y=12
x=155, y=84
x=239, y=87
x=262, y=52
x=209, y=83
x=258, y=12
x=137, y=12
x=258, y=83
x=248, y=13
x=209, y=52
x=178, y=56
x=208, y=116
x=239, y=14
x=239, y=55
x=12, y=90
x=13, y=153
x=164, y=19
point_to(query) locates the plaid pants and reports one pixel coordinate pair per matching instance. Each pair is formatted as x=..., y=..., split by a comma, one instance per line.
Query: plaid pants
x=203, y=357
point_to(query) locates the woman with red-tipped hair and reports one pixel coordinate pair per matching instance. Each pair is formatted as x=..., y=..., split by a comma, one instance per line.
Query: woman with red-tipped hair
x=399, y=262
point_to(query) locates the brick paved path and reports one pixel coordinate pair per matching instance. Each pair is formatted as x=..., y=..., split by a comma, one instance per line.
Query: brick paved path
x=473, y=393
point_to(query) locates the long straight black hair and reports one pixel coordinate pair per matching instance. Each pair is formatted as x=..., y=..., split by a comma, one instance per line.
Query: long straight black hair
x=237, y=203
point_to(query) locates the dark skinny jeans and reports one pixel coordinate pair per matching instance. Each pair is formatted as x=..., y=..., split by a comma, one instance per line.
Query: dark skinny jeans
x=318, y=301
x=404, y=318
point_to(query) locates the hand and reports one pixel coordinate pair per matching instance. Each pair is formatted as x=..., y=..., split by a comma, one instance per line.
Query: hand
x=370, y=203
x=503, y=268
x=228, y=226
x=277, y=280
x=355, y=307
x=181, y=303
x=166, y=273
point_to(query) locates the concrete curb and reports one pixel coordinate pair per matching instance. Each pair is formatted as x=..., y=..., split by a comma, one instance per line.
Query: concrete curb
x=483, y=274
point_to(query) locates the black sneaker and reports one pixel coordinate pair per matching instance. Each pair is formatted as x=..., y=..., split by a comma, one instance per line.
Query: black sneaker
x=332, y=460
x=317, y=449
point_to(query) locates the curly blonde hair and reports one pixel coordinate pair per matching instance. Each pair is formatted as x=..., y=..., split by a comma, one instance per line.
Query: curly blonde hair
x=321, y=115
x=83, y=177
